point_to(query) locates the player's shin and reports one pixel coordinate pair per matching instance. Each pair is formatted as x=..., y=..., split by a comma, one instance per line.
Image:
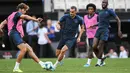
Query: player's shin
x=20, y=56
x=61, y=55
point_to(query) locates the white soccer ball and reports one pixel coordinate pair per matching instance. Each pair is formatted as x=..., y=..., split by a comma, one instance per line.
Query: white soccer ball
x=49, y=65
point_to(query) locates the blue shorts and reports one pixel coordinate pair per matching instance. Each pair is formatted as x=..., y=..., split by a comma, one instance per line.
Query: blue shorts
x=15, y=38
x=68, y=42
x=102, y=34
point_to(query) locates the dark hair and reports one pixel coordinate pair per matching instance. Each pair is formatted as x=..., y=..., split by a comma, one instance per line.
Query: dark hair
x=91, y=5
x=74, y=7
x=22, y=6
x=42, y=24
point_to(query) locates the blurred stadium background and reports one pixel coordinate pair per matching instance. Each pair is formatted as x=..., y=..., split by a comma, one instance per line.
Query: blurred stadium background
x=54, y=9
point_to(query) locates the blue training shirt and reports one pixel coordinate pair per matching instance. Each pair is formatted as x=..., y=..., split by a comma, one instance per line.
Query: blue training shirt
x=16, y=18
x=104, y=17
x=71, y=25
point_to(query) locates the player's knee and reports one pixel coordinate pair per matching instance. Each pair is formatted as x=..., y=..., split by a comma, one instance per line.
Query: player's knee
x=63, y=51
x=23, y=50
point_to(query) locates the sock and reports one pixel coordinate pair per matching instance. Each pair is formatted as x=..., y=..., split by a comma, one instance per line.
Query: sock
x=55, y=65
x=89, y=61
x=99, y=61
x=16, y=66
x=41, y=63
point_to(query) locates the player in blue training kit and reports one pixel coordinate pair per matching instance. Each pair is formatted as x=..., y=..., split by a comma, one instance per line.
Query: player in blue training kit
x=69, y=32
x=102, y=33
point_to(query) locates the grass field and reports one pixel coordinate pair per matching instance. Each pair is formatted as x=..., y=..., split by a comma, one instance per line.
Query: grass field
x=70, y=66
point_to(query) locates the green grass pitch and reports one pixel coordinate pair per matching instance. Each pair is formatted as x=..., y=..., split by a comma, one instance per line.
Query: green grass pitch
x=71, y=65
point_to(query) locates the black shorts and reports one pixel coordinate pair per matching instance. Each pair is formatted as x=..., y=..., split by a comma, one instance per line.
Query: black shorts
x=68, y=42
x=102, y=34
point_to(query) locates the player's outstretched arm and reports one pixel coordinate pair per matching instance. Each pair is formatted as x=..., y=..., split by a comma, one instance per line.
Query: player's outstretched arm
x=119, y=26
x=30, y=18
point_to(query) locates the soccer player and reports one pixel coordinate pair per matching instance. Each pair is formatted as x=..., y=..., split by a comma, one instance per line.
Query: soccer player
x=15, y=32
x=102, y=32
x=69, y=32
x=90, y=20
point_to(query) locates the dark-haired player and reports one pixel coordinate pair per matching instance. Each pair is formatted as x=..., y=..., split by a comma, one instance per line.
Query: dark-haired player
x=69, y=32
x=102, y=32
x=90, y=20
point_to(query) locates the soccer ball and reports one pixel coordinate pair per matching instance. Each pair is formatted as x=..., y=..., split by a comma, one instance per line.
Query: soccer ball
x=49, y=65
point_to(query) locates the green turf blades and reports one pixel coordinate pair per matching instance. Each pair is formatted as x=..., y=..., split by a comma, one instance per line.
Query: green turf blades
x=70, y=66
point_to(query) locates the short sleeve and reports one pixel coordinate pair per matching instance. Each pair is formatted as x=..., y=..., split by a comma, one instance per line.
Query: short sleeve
x=18, y=14
x=112, y=13
x=16, y=17
x=81, y=21
x=62, y=19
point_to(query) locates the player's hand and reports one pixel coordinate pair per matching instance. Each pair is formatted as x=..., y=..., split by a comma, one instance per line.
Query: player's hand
x=120, y=34
x=58, y=26
x=92, y=27
x=39, y=19
x=78, y=40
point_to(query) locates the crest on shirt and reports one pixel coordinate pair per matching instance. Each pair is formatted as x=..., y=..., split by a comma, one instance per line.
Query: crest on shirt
x=106, y=12
x=75, y=21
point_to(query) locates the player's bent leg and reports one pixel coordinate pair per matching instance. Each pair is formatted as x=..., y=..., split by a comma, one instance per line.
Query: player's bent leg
x=33, y=56
x=101, y=48
x=90, y=56
x=57, y=52
x=94, y=47
x=99, y=56
x=23, y=50
x=62, y=53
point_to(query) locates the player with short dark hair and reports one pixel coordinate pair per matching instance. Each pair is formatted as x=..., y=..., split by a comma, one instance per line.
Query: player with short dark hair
x=69, y=32
x=102, y=32
x=15, y=32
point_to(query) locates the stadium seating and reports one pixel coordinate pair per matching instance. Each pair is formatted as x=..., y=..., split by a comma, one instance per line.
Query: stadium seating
x=59, y=5
x=119, y=5
x=82, y=4
x=97, y=3
x=70, y=3
x=128, y=5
